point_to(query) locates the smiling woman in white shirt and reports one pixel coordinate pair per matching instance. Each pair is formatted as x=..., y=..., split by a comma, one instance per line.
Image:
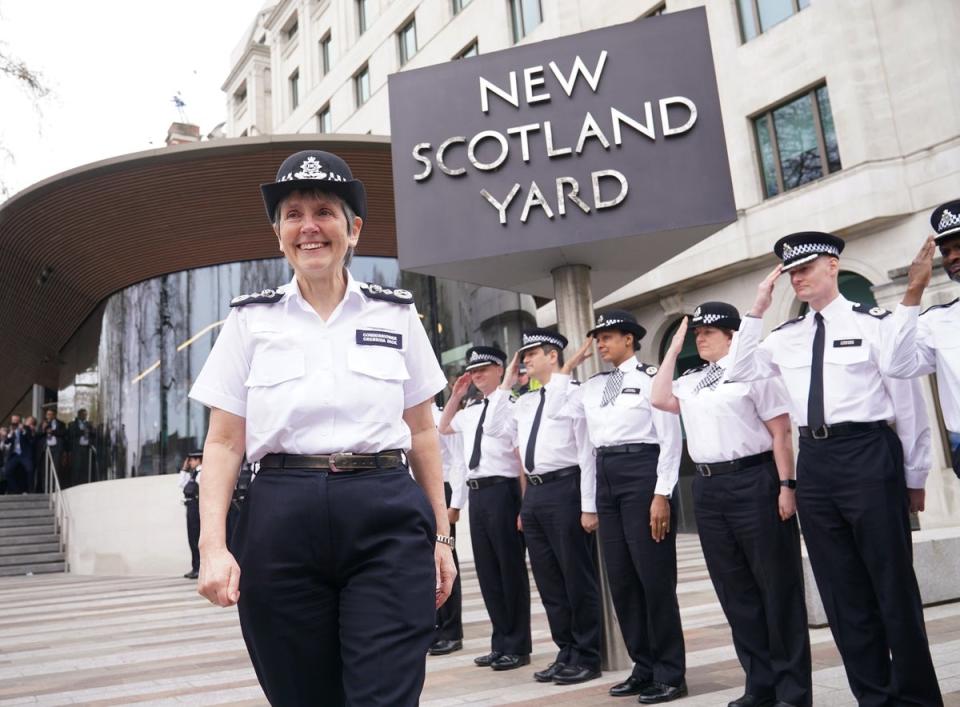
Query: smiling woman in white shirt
x=341, y=556
x=738, y=435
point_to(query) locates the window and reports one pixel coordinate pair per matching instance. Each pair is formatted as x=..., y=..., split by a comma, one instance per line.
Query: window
x=325, y=54
x=240, y=96
x=471, y=49
x=526, y=15
x=407, y=40
x=325, y=120
x=295, y=89
x=758, y=16
x=363, y=15
x=797, y=142
x=361, y=85
x=290, y=29
x=459, y=5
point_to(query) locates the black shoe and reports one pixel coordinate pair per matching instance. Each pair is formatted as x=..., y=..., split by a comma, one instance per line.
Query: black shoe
x=443, y=647
x=630, y=686
x=547, y=675
x=191, y=575
x=659, y=692
x=781, y=703
x=575, y=674
x=751, y=701
x=510, y=662
x=484, y=661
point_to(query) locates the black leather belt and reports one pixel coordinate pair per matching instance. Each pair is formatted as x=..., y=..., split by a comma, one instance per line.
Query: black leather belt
x=841, y=429
x=719, y=468
x=625, y=448
x=538, y=479
x=336, y=463
x=485, y=481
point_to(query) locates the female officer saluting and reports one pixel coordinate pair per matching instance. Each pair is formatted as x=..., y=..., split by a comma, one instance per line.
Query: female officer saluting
x=327, y=382
x=739, y=436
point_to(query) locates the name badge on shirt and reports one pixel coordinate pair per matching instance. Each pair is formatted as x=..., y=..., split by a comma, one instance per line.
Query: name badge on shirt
x=630, y=391
x=374, y=337
x=843, y=343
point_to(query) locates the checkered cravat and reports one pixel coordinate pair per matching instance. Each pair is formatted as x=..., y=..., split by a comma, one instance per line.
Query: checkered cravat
x=710, y=379
x=612, y=389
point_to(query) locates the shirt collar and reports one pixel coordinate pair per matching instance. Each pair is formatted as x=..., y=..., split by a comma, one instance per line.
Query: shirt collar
x=628, y=365
x=292, y=293
x=838, y=305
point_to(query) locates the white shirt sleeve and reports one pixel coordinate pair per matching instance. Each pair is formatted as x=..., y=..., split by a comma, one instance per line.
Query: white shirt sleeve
x=667, y=425
x=913, y=429
x=184, y=478
x=457, y=472
x=904, y=353
x=588, y=467
x=770, y=397
x=221, y=382
x=753, y=361
x=426, y=377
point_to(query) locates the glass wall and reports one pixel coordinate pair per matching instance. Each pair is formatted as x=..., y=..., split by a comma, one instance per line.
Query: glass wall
x=132, y=363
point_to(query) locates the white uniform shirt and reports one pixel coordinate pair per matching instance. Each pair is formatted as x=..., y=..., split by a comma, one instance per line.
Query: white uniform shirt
x=630, y=419
x=853, y=388
x=497, y=455
x=562, y=439
x=306, y=386
x=726, y=423
x=454, y=468
x=185, y=477
x=928, y=343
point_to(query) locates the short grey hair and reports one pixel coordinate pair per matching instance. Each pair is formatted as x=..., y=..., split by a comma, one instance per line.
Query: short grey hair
x=318, y=193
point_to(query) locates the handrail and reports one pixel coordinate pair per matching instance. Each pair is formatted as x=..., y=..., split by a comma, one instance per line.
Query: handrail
x=91, y=453
x=57, y=501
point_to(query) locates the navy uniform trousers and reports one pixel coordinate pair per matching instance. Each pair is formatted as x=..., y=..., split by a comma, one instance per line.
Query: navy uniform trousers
x=337, y=586
x=642, y=573
x=500, y=560
x=193, y=531
x=449, y=615
x=754, y=562
x=854, y=513
x=563, y=560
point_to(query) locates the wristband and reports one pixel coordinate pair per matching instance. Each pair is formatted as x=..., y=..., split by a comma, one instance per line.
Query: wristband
x=788, y=483
x=447, y=540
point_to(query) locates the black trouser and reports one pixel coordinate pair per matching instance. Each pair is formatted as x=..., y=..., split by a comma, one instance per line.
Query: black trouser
x=642, y=572
x=500, y=559
x=563, y=560
x=955, y=443
x=754, y=563
x=337, y=586
x=854, y=513
x=449, y=621
x=19, y=473
x=193, y=531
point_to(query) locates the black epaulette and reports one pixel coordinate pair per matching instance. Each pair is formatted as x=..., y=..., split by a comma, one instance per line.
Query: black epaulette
x=398, y=296
x=940, y=306
x=649, y=370
x=263, y=297
x=695, y=369
x=878, y=312
x=574, y=382
x=601, y=373
x=791, y=321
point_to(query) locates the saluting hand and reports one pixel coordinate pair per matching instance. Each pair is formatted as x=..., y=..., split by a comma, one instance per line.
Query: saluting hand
x=765, y=292
x=920, y=272
x=219, y=579
x=460, y=386
x=512, y=373
x=677, y=344
x=582, y=354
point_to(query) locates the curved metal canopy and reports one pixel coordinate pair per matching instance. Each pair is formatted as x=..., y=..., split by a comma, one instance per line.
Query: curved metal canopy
x=72, y=240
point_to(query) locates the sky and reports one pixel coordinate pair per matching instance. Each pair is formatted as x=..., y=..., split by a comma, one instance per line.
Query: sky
x=113, y=67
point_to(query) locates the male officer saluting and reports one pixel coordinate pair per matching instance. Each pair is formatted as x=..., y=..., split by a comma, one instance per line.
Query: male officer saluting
x=559, y=507
x=495, y=483
x=857, y=479
x=930, y=342
x=638, y=462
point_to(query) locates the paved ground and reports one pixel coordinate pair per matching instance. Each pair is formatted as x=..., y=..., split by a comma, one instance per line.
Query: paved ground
x=68, y=639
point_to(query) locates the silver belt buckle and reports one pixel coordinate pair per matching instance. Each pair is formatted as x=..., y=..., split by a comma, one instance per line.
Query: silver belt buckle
x=473, y=483
x=333, y=460
x=704, y=470
x=535, y=479
x=820, y=433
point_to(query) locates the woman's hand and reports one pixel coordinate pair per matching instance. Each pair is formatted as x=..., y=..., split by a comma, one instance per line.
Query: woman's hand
x=676, y=346
x=219, y=579
x=446, y=572
x=582, y=354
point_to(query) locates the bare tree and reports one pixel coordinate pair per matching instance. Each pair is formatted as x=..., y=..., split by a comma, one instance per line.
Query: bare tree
x=14, y=69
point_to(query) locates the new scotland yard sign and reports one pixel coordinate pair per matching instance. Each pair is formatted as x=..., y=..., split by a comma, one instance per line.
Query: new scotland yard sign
x=604, y=148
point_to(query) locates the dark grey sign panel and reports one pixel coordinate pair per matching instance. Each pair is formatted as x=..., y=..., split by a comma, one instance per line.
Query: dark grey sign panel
x=604, y=148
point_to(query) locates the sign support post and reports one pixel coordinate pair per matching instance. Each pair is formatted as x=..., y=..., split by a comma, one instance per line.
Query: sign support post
x=574, y=299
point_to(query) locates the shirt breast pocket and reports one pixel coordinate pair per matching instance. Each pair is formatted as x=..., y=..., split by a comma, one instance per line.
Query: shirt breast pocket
x=947, y=338
x=275, y=381
x=846, y=355
x=377, y=374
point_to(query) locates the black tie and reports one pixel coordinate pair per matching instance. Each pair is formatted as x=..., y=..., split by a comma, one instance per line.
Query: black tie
x=478, y=438
x=528, y=460
x=815, y=400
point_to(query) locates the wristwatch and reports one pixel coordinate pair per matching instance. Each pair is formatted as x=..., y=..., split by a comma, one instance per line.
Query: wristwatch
x=788, y=483
x=447, y=540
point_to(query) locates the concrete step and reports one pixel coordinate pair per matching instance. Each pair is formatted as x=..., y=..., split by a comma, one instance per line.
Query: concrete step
x=33, y=558
x=47, y=536
x=15, y=522
x=25, y=512
x=38, y=568
x=30, y=548
x=23, y=502
x=18, y=529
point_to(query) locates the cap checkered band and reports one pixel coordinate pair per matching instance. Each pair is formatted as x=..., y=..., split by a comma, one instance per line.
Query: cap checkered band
x=611, y=322
x=537, y=339
x=478, y=357
x=711, y=318
x=312, y=169
x=948, y=220
x=798, y=251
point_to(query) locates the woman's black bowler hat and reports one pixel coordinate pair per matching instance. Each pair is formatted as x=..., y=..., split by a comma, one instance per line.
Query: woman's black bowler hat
x=315, y=169
x=716, y=314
